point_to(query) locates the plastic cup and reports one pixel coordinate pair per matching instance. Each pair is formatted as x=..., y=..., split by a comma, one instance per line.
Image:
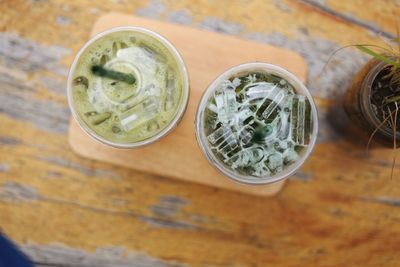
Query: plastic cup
x=256, y=123
x=128, y=87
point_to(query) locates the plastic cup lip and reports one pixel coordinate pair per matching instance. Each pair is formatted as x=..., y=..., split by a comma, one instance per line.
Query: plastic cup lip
x=179, y=113
x=201, y=138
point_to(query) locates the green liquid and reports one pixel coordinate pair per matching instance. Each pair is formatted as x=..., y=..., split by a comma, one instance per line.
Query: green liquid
x=121, y=112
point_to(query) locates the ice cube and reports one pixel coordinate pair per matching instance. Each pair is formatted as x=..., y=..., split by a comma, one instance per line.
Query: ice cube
x=280, y=145
x=247, y=157
x=246, y=135
x=153, y=126
x=148, y=51
x=226, y=105
x=242, y=116
x=221, y=132
x=260, y=170
x=284, y=128
x=142, y=60
x=136, y=99
x=258, y=90
x=308, y=123
x=290, y=155
x=254, y=155
x=98, y=118
x=251, y=78
x=97, y=98
x=269, y=102
x=224, y=140
x=228, y=147
x=169, y=98
x=168, y=105
x=275, y=102
x=275, y=162
x=212, y=107
x=227, y=84
x=300, y=120
x=139, y=114
x=236, y=82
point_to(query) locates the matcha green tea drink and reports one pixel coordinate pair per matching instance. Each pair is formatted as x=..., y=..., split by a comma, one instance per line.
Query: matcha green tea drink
x=128, y=87
x=256, y=123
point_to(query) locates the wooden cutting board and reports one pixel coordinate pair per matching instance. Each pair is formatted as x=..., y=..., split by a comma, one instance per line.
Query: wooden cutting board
x=206, y=55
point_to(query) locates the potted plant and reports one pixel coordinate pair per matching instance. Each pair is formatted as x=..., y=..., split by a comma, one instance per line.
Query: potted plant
x=373, y=99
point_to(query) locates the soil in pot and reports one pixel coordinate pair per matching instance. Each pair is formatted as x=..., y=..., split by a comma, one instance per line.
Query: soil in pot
x=372, y=100
x=385, y=99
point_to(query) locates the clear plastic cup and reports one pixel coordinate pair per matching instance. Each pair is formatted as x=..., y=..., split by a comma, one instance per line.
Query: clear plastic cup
x=116, y=109
x=256, y=123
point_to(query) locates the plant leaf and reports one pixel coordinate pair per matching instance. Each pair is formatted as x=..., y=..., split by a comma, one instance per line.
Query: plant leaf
x=378, y=56
x=389, y=51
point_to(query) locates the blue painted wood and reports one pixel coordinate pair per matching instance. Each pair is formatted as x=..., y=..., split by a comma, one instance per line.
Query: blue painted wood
x=10, y=256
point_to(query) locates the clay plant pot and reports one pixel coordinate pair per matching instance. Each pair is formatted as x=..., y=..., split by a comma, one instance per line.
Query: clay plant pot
x=360, y=102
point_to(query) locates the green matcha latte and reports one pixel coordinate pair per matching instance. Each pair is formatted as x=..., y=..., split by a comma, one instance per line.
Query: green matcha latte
x=128, y=87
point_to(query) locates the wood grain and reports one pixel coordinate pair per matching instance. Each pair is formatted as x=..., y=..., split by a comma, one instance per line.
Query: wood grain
x=66, y=210
x=206, y=56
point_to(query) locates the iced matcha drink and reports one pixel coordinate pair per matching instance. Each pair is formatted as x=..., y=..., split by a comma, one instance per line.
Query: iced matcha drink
x=128, y=87
x=256, y=123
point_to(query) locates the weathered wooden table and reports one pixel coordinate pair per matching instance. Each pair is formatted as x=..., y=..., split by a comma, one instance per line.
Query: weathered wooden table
x=65, y=210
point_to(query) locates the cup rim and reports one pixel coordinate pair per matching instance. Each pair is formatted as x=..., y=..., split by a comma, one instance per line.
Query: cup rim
x=179, y=113
x=201, y=138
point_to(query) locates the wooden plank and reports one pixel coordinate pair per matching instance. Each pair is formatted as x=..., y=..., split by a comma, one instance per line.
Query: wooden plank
x=378, y=18
x=341, y=210
x=178, y=155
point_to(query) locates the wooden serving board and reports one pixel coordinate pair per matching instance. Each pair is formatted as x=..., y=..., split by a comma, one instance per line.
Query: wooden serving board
x=206, y=55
